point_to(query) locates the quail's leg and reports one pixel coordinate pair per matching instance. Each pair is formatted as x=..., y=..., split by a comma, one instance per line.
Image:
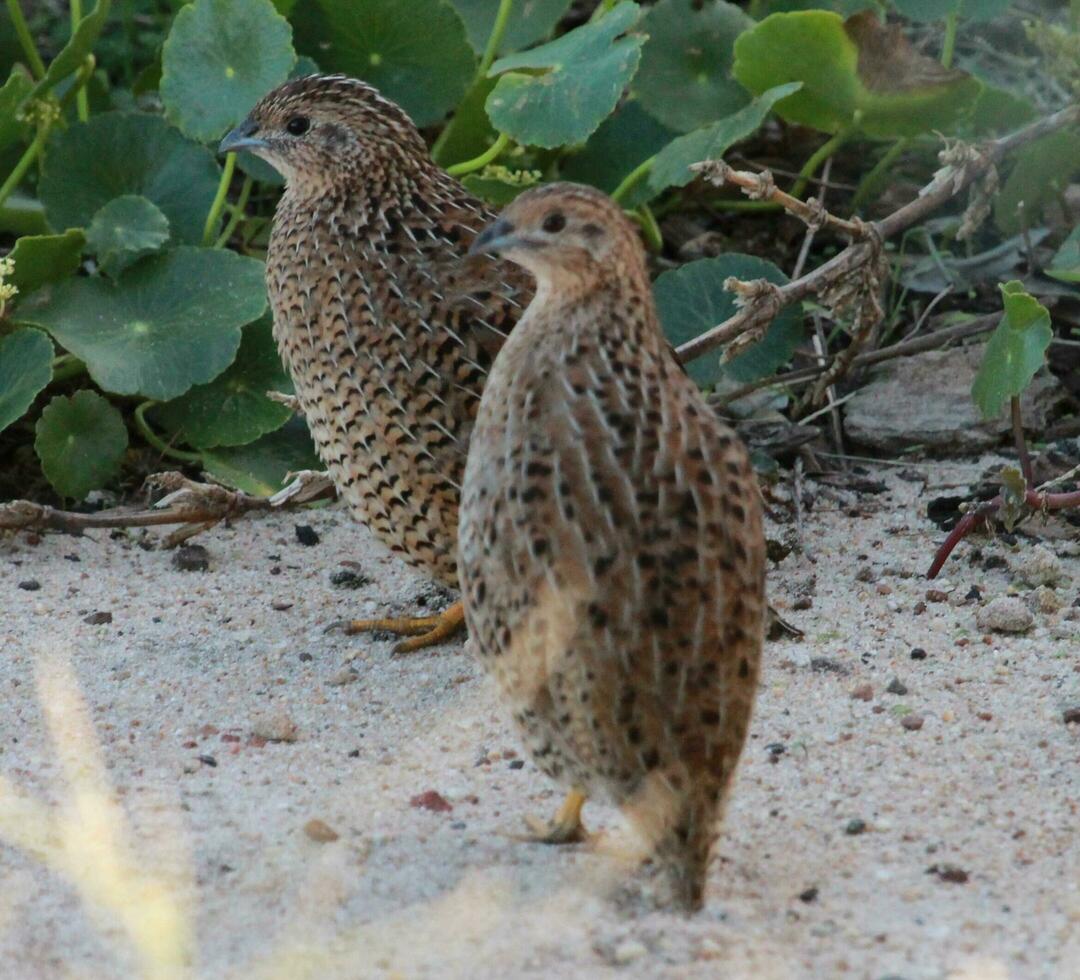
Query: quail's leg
x=565, y=827
x=426, y=631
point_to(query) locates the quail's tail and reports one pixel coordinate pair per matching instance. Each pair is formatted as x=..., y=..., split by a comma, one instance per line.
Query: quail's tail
x=684, y=854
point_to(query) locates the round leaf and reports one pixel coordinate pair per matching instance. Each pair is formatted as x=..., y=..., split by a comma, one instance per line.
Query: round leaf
x=587, y=70
x=233, y=408
x=171, y=321
x=530, y=21
x=25, y=369
x=421, y=60
x=1041, y=172
x=126, y=228
x=685, y=76
x=45, y=258
x=220, y=58
x=80, y=441
x=260, y=467
x=1065, y=265
x=692, y=299
x=119, y=153
x=924, y=10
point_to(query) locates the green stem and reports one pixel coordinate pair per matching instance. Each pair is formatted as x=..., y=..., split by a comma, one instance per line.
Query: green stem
x=869, y=183
x=28, y=157
x=237, y=213
x=817, y=158
x=650, y=229
x=632, y=179
x=82, y=102
x=949, y=43
x=498, y=31
x=210, y=228
x=66, y=366
x=736, y=204
x=37, y=66
x=478, y=163
x=84, y=74
x=152, y=437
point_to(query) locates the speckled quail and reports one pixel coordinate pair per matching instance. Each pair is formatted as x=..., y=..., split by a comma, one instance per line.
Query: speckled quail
x=387, y=334
x=612, y=554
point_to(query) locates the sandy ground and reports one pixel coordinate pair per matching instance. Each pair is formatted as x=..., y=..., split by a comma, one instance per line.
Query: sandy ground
x=854, y=846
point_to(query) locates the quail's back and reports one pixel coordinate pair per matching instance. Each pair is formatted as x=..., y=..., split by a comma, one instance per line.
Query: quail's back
x=612, y=554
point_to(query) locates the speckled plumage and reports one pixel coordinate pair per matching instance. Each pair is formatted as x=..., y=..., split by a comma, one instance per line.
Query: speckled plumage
x=388, y=336
x=612, y=554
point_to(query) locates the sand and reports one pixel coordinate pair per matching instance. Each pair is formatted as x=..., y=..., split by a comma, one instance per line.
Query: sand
x=854, y=846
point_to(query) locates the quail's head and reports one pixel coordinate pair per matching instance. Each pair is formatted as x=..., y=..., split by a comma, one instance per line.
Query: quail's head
x=562, y=229
x=322, y=129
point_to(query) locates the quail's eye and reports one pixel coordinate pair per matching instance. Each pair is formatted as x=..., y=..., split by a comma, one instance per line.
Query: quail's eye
x=298, y=125
x=554, y=222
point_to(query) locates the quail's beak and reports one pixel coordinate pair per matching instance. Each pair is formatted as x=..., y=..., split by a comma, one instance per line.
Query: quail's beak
x=496, y=237
x=242, y=138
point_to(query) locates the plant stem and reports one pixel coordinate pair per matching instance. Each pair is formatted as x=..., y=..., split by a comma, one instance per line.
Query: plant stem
x=28, y=157
x=78, y=86
x=210, y=228
x=152, y=437
x=237, y=215
x=498, y=30
x=949, y=43
x=650, y=229
x=632, y=179
x=82, y=103
x=1021, y=443
x=66, y=366
x=37, y=66
x=817, y=158
x=478, y=163
x=869, y=183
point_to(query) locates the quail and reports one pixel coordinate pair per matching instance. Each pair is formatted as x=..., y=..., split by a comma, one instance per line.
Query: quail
x=388, y=336
x=612, y=558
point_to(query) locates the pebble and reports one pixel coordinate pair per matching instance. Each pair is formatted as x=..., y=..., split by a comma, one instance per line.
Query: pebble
x=629, y=950
x=320, y=831
x=192, y=558
x=30, y=585
x=912, y=723
x=344, y=676
x=98, y=618
x=347, y=579
x=918, y=653
x=863, y=692
x=431, y=800
x=306, y=535
x=951, y=873
x=1005, y=614
x=936, y=595
x=275, y=726
x=897, y=686
x=1047, y=600
x=855, y=827
x=1038, y=565
x=1071, y=716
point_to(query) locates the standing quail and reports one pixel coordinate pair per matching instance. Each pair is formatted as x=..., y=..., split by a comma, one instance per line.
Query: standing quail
x=612, y=554
x=388, y=336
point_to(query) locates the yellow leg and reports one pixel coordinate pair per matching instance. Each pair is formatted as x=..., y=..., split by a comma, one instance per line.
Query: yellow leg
x=425, y=631
x=566, y=826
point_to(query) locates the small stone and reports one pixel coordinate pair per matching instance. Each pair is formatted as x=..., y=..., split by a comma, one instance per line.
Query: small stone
x=192, y=558
x=936, y=595
x=973, y=593
x=1005, y=614
x=994, y=561
x=431, y=800
x=306, y=658
x=517, y=764
x=30, y=585
x=320, y=831
x=1071, y=716
x=306, y=535
x=280, y=605
x=1038, y=565
x=912, y=723
x=208, y=760
x=918, y=653
x=1047, y=600
x=802, y=603
x=348, y=579
x=98, y=618
x=949, y=872
x=865, y=574
x=855, y=827
x=344, y=676
x=863, y=692
x=628, y=951
x=897, y=686
x=809, y=895
x=827, y=665
x=919, y=608
x=275, y=726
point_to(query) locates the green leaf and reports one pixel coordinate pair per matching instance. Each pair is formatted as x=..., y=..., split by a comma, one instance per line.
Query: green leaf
x=13, y=95
x=692, y=299
x=25, y=369
x=1041, y=172
x=856, y=74
x=1065, y=265
x=999, y=111
x=40, y=259
x=233, y=408
x=628, y=137
x=530, y=21
x=259, y=468
x=73, y=54
x=672, y=165
x=119, y=153
x=421, y=59
x=80, y=442
x=1014, y=352
x=924, y=10
x=685, y=76
x=220, y=58
x=125, y=229
x=171, y=321
x=760, y=9
x=587, y=70
x=469, y=132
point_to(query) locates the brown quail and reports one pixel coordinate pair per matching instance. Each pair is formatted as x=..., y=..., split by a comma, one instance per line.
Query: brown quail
x=388, y=336
x=612, y=554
